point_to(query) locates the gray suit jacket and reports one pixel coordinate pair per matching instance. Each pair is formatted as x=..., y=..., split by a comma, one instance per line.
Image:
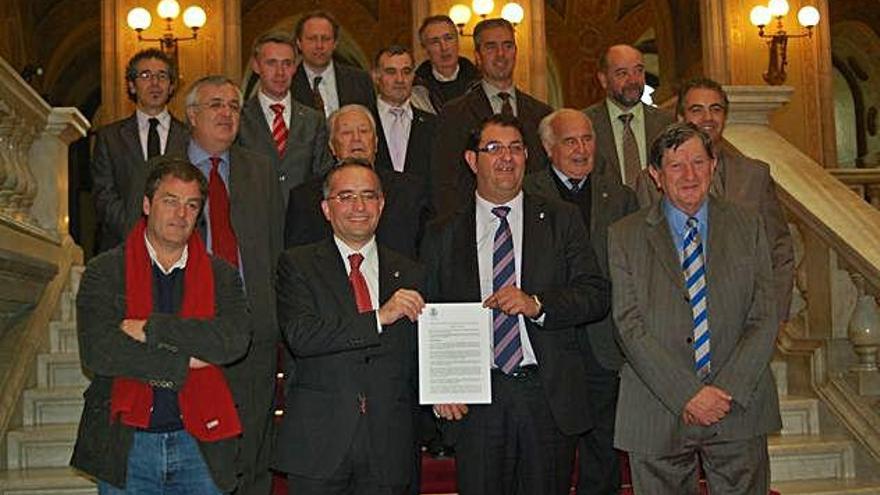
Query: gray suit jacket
x=654, y=320
x=119, y=172
x=655, y=121
x=747, y=182
x=609, y=201
x=307, y=153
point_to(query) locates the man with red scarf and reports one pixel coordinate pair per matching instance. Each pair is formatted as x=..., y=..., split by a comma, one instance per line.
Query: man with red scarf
x=157, y=318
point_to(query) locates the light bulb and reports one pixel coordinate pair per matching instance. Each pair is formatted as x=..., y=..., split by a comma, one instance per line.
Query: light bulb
x=759, y=16
x=778, y=8
x=808, y=16
x=483, y=7
x=512, y=13
x=168, y=9
x=194, y=17
x=139, y=18
x=460, y=14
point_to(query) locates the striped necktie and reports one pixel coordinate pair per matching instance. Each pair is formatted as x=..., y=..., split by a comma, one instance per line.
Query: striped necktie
x=279, y=129
x=632, y=161
x=694, y=269
x=508, y=348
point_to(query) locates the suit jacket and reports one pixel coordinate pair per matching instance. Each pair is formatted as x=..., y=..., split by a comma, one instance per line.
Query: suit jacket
x=102, y=447
x=655, y=121
x=609, y=201
x=452, y=182
x=747, y=182
x=307, y=153
x=341, y=356
x=558, y=266
x=119, y=172
x=400, y=227
x=353, y=85
x=654, y=320
x=418, y=147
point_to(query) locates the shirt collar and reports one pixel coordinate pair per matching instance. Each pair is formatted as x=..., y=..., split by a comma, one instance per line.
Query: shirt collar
x=486, y=206
x=492, y=90
x=328, y=74
x=385, y=108
x=197, y=154
x=180, y=263
x=440, y=77
x=678, y=219
x=266, y=101
x=614, y=111
x=144, y=120
x=368, y=251
x=566, y=179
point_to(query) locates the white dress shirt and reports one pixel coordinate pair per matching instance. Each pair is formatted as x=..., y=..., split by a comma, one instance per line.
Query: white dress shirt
x=387, y=120
x=495, y=101
x=164, y=126
x=180, y=263
x=327, y=88
x=266, y=102
x=369, y=269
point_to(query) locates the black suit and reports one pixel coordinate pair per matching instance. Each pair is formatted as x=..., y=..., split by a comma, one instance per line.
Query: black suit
x=609, y=201
x=418, y=146
x=452, y=181
x=400, y=227
x=353, y=85
x=119, y=172
x=559, y=267
x=340, y=358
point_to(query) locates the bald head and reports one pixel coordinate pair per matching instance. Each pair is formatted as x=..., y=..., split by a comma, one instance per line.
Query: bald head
x=567, y=136
x=622, y=75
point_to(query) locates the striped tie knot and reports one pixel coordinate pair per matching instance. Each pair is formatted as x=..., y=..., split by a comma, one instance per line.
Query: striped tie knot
x=278, y=108
x=694, y=268
x=501, y=211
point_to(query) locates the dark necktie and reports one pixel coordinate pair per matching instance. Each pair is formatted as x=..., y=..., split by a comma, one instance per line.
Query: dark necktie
x=574, y=185
x=223, y=242
x=506, y=108
x=154, y=148
x=693, y=266
x=508, y=348
x=632, y=163
x=359, y=284
x=316, y=94
x=279, y=128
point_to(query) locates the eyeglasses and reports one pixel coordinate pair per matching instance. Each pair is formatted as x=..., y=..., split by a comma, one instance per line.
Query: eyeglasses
x=148, y=75
x=217, y=105
x=348, y=198
x=496, y=149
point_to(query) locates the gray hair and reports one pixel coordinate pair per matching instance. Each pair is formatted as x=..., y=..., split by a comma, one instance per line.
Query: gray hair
x=351, y=107
x=212, y=80
x=545, y=128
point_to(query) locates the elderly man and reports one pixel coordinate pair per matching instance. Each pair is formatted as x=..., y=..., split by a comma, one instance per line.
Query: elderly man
x=528, y=259
x=570, y=143
x=694, y=307
x=347, y=307
x=293, y=135
x=445, y=75
x=157, y=317
x=243, y=226
x=353, y=138
x=122, y=148
x=624, y=125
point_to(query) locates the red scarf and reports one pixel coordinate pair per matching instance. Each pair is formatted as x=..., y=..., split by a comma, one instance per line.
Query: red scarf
x=206, y=404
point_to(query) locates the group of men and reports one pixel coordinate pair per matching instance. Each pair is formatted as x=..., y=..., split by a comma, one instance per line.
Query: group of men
x=620, y=319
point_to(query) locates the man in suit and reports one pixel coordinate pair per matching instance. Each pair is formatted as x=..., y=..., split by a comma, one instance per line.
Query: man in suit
x=528, y=259
x=452, y=181
x=154, y=340
x=353, y=138
x=445, y=75
x=405, y=133
x=243, y=225
x=122, y=148
x=624, y=125
x=293, y=135
x=694, y=307
x=320, y=83
x=347, y=308
x=569, y=140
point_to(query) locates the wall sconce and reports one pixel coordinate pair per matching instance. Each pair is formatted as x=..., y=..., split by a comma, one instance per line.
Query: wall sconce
x=760, y=16
x=194, y=18
x=460, y=13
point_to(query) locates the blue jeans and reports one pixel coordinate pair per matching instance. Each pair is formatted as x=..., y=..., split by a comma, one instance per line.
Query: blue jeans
x=164, y=464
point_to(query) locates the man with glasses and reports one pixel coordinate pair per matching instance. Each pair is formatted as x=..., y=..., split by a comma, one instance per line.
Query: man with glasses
x=529, y=260
x=347, y=307
x=242, y=225
x=122, y=148
x=445, y=75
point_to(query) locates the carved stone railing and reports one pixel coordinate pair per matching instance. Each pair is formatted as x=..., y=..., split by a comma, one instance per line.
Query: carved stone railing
x=36, y=250
x=833, y=323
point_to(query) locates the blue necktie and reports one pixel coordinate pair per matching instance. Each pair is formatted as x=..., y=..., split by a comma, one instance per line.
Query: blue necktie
x=695, y=281
x=508, y=348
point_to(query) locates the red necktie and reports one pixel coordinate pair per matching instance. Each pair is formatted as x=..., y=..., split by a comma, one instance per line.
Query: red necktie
x=279, y=128
x=223, y=243
x=359, y=283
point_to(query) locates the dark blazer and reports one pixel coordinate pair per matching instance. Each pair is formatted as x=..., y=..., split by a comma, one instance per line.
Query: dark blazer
x=609, y=201
x=400, y=227
x=307, y=153
x=119, y=172
x=606, y=151
x=341, y=356
x=655, y=324
x=101, y=447
x=452, y=182
x=747, y=182
x=558, y=266
x=353, y=85
x=418, y=147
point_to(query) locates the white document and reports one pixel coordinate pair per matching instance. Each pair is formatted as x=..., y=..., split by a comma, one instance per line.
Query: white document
x=454, y=360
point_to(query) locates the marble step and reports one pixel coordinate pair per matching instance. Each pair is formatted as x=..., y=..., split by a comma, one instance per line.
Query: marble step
x=47, y=446
x=810, y=457
x=62, y=337
x=800, y=415
x=60, y=369
x=52, y=406
x=827, y=487
x=46, y=481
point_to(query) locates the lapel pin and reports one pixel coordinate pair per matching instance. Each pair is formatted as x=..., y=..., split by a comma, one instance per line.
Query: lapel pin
x=396, y=274
x=604, y=194
x=541, y=215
